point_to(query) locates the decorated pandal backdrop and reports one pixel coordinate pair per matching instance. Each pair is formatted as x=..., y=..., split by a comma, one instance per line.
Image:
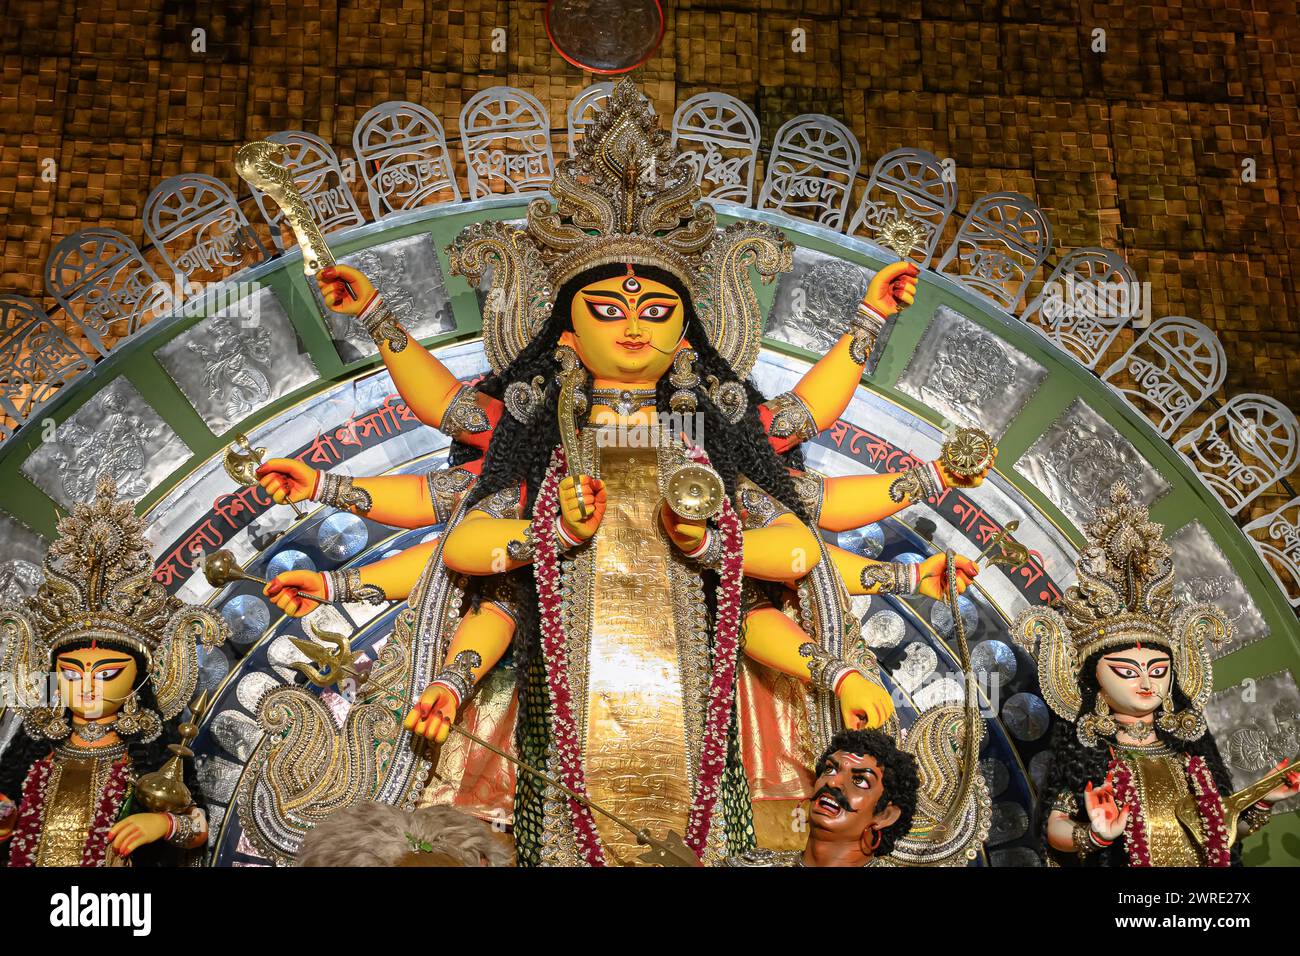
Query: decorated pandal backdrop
x=216, y=331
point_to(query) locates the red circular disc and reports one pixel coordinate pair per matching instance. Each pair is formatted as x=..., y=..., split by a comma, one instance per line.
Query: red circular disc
x=605, y=36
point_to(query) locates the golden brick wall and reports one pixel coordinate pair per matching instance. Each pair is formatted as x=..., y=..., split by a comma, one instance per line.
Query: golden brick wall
x=1139, y=148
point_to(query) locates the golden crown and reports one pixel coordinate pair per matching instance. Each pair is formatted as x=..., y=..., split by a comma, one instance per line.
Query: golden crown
x=99, y=587
x=627, y=197
x=1124, y=595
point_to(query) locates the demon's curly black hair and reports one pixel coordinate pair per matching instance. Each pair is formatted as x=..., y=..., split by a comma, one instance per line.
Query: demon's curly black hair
x=520, y=452
x=899, y=777
x=23, y=752
x=1074, y=765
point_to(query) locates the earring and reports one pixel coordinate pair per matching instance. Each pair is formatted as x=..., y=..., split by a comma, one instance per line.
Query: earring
x=729, y=397
x=684, y=379
x=139, y=721
x=50, y=723
x=1184, y=724
x=523, y=399
x=875, y=843
x=1099, y=723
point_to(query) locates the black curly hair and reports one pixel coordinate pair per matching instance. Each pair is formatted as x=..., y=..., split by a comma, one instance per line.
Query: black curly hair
x=899, y=777
x=520, y=452
x=24, y=751
x=1074, y=765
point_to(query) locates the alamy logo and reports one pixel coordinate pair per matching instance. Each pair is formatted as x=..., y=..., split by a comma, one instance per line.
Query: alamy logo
x=77, y=909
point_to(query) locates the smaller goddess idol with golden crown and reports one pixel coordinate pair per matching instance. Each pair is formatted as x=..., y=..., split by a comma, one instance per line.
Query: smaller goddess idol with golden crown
x=125, y=656
x=1136, y=778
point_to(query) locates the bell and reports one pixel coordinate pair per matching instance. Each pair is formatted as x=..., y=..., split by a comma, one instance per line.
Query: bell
x=694, y=491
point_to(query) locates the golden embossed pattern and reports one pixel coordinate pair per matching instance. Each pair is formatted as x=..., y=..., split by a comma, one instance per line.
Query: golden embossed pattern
x=70, y=799
x=1162, y=783
x=635, y=757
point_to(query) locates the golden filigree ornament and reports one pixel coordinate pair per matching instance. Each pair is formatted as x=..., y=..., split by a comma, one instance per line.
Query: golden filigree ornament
x=901, y=234
x=968, y=453
x=99, y=586
x=262, y=165
x=694, y=491
x=1124, y=595
x=626, y=196
x=329, y=666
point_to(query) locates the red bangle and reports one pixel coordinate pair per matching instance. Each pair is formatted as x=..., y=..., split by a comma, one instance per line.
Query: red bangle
x=1097, y=839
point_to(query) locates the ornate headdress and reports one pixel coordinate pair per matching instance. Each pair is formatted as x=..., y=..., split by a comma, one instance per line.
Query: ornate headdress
x=1124, y=596
x=99, y=586
x=626, y=196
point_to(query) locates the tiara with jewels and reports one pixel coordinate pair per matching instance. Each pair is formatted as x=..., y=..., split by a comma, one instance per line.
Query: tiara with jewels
x=626, y=196
x=1124, y=596
x=99, y=587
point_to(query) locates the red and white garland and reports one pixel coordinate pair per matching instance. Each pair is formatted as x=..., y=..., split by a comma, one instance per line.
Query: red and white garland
x=26, y=839
x=713, y=754
x=1209, y=806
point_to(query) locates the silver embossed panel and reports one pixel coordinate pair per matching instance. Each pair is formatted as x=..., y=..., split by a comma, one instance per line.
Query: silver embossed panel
x=116, y=433
x=407, y=273
x=816, y=300
x=1256, y=724
x=1203, y=573
x=969, y=375
x=238, y=361
x=21, y=553
x=1079, y=457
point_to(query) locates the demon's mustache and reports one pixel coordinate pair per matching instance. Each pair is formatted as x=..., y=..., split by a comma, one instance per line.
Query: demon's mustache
x=836, y=794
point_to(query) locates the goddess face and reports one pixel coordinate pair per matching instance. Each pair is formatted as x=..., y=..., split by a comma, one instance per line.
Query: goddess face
x=626, y=329
x=1135, y=680
x=848, y=797
x=94, y=682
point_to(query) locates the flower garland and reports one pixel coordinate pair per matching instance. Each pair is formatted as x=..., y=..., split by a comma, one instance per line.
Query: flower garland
x=27, y=828
x=555, y=653
x=1209, y=806
x=26, y=839
x=1135, y=830
x=713, y=753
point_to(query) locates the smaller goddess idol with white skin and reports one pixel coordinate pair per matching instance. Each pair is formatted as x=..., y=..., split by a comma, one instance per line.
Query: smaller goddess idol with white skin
x=1136, y=778
x=124, y=654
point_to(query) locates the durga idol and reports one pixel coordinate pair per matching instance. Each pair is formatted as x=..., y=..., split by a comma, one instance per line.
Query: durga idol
x=577, y=538
x=1136, y=778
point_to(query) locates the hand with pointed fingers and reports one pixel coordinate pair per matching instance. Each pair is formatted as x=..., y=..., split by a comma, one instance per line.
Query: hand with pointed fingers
x=291, y=591
x=933, y=574
x=863, y=704
x=287, y=479
x=686, y=533
x=433, y=714
x=893, y=288
x=581, y=519
x=1107, y=819
x=345, y=290
x=137, y=830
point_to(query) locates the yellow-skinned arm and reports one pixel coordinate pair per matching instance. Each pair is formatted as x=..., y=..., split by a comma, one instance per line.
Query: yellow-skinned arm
x=481, y=639
x=821, y=396
x=928, y=578
x=425, y=384
x=480, y=544
x=402, y=501
x=774, y=640
x=828, y=386
x=396, y=577
x=783, y=550
x=852, y=501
